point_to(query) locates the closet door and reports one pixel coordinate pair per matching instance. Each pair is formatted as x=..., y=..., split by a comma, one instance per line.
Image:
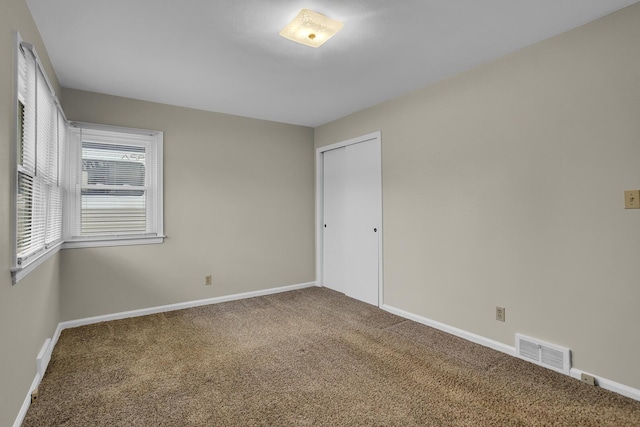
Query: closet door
x=334, y=214
x=352, y=207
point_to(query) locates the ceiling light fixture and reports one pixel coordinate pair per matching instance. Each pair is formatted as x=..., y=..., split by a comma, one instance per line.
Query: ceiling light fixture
x=311, y=28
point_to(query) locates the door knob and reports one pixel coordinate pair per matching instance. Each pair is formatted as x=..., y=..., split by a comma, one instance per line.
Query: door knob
x=375, y=230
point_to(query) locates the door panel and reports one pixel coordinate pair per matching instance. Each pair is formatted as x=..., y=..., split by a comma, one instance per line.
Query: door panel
x=334, y=205
x=363, y=214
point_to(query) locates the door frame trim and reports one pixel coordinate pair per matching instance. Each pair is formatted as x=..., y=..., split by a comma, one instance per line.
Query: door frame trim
x=320, y=209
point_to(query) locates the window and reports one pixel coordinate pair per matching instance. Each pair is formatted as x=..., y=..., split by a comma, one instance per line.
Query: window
x=91, y=185
x=115, y=186
x=40, y=140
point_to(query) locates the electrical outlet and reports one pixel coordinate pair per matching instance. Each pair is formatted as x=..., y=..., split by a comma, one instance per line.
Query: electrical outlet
x=588, y=379
x=500, y=314
x=207, y=280
x=34, y=395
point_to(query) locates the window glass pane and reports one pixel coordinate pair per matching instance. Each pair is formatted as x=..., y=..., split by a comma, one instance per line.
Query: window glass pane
x=110, y=164
x=24, y=202
x=105, y=209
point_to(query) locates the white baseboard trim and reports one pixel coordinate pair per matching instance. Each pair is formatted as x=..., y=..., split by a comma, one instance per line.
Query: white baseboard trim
x=44, y=356
x=604, y=383
x=27, y=401
x=180, y=306
x=469, y=336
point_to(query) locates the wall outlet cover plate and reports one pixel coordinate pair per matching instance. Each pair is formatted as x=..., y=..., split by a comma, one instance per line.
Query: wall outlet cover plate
x=632, y=199
x=588, y=379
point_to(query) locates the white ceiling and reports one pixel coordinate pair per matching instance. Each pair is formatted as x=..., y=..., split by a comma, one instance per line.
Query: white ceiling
x=227, y=56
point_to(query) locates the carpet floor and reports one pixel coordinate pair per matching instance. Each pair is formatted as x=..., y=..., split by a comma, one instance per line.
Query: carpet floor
x=311, y=357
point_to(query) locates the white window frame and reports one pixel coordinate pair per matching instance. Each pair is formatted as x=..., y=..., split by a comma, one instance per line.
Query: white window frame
x=23, y=265
x=154, y=208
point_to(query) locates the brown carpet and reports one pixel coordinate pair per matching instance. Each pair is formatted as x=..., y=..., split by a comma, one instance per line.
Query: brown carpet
x=301, y=358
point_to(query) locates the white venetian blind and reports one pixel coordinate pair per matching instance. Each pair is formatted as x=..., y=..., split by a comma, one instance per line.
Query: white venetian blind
x=26, y=162
x=40, y=142
x=54, y=226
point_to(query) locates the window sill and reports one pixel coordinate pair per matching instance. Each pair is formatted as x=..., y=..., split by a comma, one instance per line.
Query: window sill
x=117, y=241
x=20, y=273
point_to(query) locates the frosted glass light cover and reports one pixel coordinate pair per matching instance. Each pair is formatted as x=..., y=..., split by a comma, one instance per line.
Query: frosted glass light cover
x=311, y=28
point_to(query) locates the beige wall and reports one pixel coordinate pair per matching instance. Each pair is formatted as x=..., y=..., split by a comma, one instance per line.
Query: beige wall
x=29, y=311
x=503, y=186
x=238, y=204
